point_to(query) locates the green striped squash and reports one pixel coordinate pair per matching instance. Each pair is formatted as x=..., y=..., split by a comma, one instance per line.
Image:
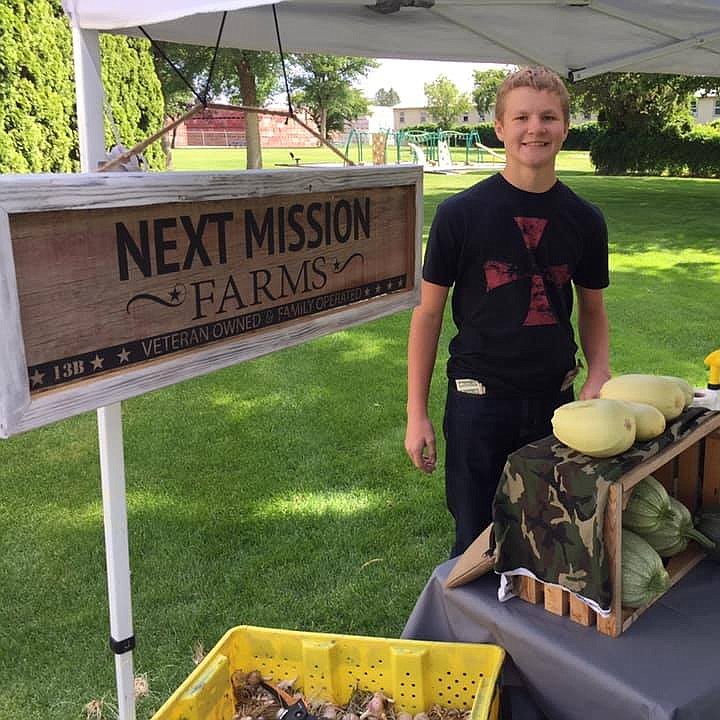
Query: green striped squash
x=648, y=508
x=643, y=576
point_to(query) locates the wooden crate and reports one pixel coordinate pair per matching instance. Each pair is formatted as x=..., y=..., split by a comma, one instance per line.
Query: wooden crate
x=690, y=470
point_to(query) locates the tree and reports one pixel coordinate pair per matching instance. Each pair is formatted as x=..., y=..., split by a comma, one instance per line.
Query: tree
x=257, y=78
x=323, y=86
x=246, y=77
x=445, y=101
x=37, y=110
x=38, y=121
x=642, y=118
x=632, y=101
x=353, y=105
x=133, y=92
x=191, y=61
x=386, y=98
x=485, y=87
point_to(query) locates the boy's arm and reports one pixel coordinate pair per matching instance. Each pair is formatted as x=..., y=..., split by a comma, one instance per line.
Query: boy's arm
x=594, y=339
x=425, y=328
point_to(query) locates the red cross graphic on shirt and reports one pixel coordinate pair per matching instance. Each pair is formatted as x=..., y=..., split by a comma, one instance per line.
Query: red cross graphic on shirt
x=498, y=273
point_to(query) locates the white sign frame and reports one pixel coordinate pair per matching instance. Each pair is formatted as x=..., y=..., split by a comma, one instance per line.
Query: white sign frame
x=20, y=411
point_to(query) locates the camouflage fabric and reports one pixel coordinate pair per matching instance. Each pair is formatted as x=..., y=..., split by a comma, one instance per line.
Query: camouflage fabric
x=549, y=508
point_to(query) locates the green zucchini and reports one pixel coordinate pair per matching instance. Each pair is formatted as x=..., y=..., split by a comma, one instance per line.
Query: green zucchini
x=643, y=574
x=672, y=536
x=707, y=521
x=648, y=508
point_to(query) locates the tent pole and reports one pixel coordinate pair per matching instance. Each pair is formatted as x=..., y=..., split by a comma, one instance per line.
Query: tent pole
x=89, y=96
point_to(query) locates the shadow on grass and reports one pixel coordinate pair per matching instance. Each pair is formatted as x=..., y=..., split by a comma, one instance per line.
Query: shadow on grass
x=195, y=576
x=642, y=213
x=273, y=493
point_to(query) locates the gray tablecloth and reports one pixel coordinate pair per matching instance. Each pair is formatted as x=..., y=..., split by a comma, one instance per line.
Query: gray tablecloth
x=666, y=666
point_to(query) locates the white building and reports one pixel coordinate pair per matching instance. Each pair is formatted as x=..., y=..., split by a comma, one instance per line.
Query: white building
x=399, y=117
x=705, y=109
x=378, y=119
x=408, y=116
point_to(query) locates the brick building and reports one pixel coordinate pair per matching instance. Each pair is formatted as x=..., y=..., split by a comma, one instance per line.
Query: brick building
x=226, y=128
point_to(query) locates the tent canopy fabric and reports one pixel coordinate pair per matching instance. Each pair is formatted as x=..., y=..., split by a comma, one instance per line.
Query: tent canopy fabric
x=577, y=38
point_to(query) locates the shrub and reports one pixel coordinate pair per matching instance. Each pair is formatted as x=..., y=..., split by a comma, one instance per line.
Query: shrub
x=670, y=151
x=579, y=137
x=37, y=97
x=134, y=94
x=38, y=120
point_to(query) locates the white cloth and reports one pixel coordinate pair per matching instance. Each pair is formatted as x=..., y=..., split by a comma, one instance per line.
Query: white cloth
x=507, y=589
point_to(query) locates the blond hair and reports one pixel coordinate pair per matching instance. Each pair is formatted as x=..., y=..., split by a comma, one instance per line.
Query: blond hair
x=538, y=78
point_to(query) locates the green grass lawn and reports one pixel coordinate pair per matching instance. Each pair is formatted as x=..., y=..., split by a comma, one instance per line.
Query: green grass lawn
x=274, y=158
x=277, y=492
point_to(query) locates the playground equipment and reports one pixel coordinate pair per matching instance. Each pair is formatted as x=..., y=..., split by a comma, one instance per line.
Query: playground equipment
x=377, y=142
x=356, y=139
x=434, y=150
x=437, y=151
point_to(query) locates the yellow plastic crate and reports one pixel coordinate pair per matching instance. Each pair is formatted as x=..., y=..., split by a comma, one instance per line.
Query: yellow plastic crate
x=415, y=674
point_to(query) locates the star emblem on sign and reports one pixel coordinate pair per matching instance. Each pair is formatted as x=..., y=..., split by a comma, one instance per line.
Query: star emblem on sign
x=124, y=356
x=97, y=362
x=499, y=273
x=177, y=294
x=37, y=378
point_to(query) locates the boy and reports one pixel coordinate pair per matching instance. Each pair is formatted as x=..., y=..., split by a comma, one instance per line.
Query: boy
x=510, y=246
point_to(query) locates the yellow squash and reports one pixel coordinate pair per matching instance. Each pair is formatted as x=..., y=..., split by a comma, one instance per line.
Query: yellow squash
x=649, y=421
x=685, y=386
x=661, y=392
x=599, y=428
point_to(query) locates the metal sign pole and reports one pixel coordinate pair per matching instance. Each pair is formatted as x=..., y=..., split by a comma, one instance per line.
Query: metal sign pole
x=89, y=93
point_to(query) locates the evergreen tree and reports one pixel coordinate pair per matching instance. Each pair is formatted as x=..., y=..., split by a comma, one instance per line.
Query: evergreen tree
x=133, y=91
x=37, y=96
x=38, y=119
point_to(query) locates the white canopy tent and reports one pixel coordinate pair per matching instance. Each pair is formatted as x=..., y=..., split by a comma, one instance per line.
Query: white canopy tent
x=577, y=38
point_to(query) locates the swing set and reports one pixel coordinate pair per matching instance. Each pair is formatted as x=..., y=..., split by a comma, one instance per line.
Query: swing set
x=432, y=150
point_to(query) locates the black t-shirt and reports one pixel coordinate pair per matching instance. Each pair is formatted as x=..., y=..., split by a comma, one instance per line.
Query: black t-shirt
x=510, y=255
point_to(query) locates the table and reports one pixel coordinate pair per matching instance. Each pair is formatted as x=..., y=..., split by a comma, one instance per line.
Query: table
x=666, y=666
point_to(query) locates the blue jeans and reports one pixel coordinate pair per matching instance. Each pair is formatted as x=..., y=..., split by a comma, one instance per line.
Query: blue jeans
x=480, y=432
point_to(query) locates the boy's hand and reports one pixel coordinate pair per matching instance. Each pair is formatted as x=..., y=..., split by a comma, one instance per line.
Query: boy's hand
x=420, y=444
x=592, y=386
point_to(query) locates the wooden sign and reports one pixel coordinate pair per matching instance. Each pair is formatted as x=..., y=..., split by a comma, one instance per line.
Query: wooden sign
x=117, y=284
